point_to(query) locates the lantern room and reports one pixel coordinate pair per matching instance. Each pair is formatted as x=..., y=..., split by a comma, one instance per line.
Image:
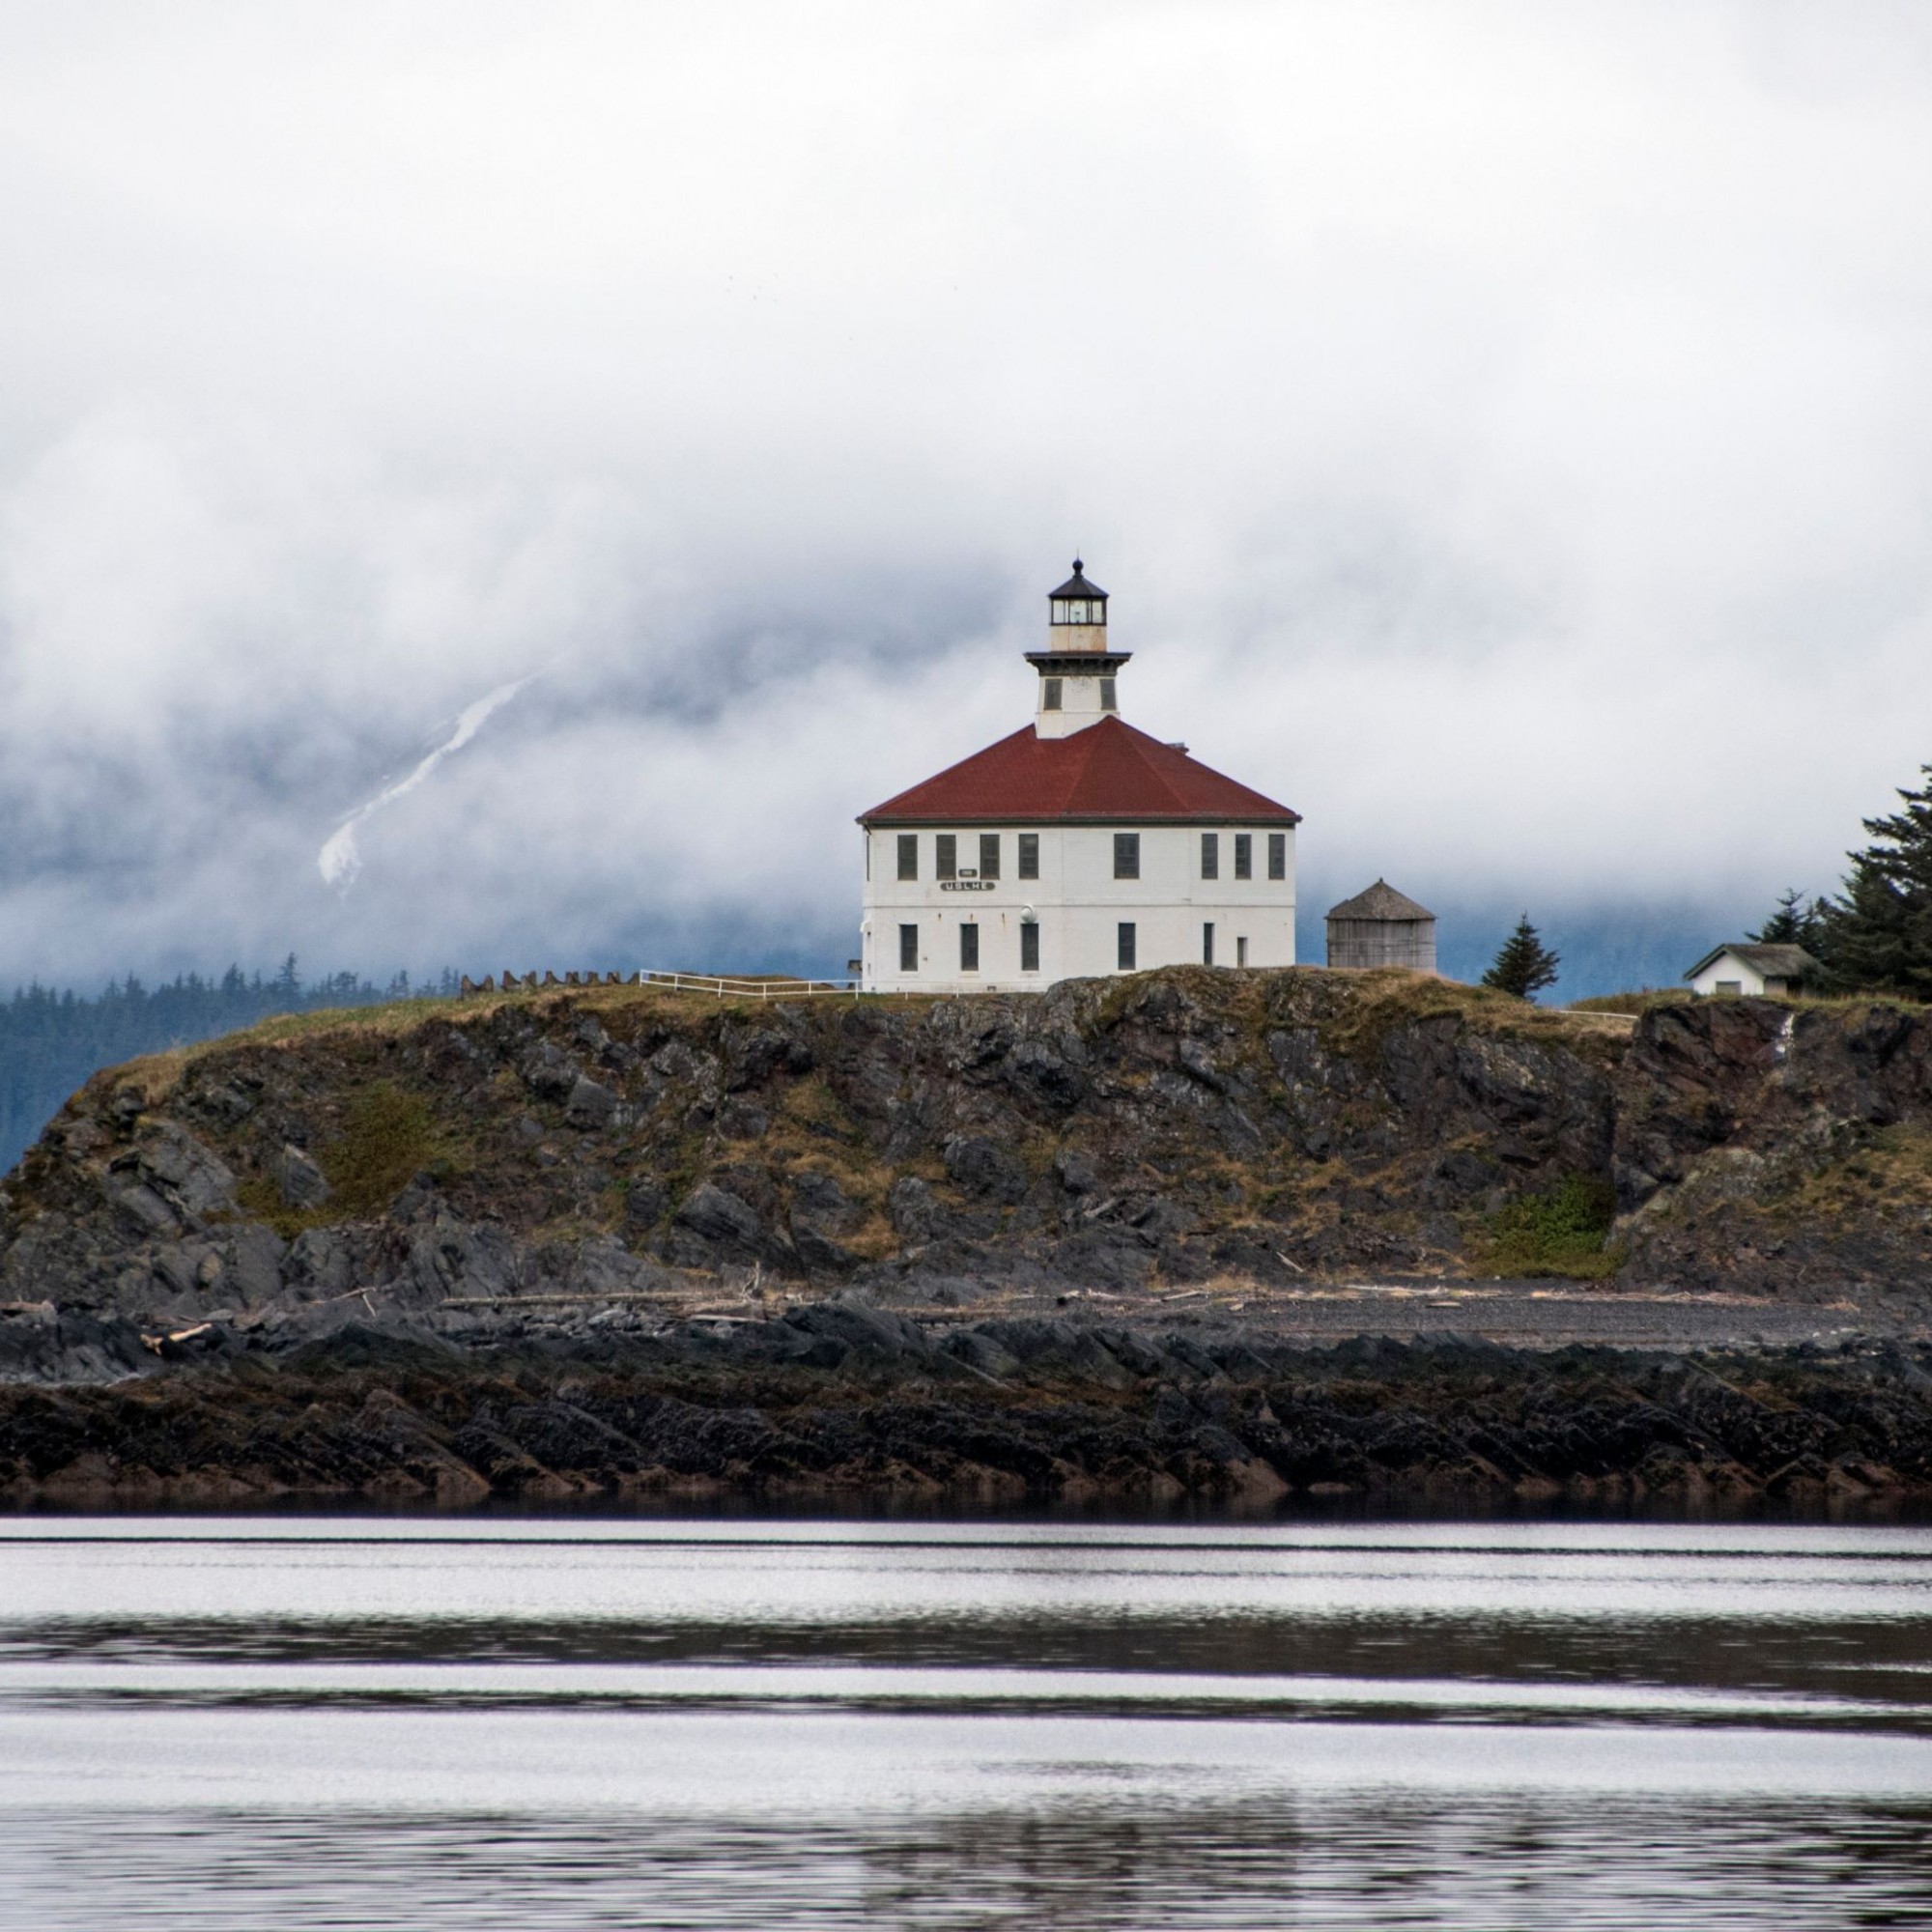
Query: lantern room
x=1077, y=606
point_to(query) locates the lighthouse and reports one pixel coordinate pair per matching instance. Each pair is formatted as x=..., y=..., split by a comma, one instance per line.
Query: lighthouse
x=1076, y=847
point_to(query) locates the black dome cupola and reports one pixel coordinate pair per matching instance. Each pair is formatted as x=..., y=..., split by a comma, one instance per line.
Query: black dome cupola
x=1078, y=602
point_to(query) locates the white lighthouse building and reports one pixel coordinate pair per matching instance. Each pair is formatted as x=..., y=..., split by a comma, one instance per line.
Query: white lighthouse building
x=1078, y=846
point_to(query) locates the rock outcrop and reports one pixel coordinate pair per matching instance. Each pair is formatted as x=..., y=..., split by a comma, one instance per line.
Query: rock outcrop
x=838, y=1403
x=585, y=1167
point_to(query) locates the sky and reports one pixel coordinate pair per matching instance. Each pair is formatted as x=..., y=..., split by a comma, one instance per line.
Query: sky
x=1505, y=431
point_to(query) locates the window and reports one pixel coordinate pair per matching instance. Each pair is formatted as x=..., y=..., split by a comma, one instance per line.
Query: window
x=1208, y=944
x=969, y=948
x=1126, y=934
x=1240, y=952
x=1210, y=856
x=989, y=855
x=908, y=855
x=1050, y=693
x=946, y=855
x=1106, y=693
x=1277, y=854
x=1029, y=948
x=1029, y=855
x=908, y=949
x=1244, y=855
x=1127, y=855
x=1733, y=986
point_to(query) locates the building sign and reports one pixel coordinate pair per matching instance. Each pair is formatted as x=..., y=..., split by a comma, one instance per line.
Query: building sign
x=968, y=884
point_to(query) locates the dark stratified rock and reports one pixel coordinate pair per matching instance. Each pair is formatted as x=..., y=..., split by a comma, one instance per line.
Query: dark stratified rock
x=1781, y=1148
x=838, y=1399
x=549, y=1070
x=981, y=1167
x=299, y=1181
x=714, y=1222
x=589, y=1105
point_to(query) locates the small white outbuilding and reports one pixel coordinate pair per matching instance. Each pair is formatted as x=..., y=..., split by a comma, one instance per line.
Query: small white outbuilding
x=1748, y=968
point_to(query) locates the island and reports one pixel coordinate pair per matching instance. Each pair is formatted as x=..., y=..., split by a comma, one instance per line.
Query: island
x=1178, y=1238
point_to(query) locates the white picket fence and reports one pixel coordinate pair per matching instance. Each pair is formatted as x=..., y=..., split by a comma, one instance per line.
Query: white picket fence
x=747, y=989
x=712, y=984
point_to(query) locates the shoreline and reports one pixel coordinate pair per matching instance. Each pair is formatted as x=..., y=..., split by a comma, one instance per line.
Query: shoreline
x=845, y=1405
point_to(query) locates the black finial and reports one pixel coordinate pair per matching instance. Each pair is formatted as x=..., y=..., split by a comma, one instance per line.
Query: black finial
x=1078, y=566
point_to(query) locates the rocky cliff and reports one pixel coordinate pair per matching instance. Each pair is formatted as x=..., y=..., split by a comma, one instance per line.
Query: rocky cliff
x=611, y=1169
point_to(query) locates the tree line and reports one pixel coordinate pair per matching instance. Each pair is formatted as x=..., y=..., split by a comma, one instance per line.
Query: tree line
x=1872, y=935
x=50, y=1040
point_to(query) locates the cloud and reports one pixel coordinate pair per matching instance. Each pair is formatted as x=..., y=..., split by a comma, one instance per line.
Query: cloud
x=1505, y=434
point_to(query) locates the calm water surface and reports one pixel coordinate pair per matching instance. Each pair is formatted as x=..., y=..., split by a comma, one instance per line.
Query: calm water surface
x=217, y=1725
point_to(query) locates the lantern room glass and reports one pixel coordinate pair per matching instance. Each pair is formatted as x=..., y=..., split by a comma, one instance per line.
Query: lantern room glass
x=1079, y=609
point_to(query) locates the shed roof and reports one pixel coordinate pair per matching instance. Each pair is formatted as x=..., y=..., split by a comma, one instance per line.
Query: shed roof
x=1109, y=771
x=1769, y=962
x=1381, y=900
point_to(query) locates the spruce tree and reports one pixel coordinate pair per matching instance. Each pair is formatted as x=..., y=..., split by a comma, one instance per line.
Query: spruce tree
x=1877, y=934
x=1796, y=921
x=1524, y=965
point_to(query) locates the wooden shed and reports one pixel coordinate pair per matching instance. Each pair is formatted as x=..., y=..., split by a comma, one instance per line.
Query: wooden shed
x=1382, y=927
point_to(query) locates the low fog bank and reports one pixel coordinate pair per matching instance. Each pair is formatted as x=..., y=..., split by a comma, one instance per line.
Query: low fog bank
x=1605, y=948
x=498, y=488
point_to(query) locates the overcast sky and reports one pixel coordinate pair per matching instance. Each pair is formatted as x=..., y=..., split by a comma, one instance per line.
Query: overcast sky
x=1506, y=433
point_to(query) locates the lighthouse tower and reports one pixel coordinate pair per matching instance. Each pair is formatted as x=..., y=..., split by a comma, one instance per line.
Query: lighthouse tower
x=1077, y=846
x=1079, y=671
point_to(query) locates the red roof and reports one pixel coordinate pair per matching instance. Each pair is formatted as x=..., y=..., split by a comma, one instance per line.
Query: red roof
x=1108, y=771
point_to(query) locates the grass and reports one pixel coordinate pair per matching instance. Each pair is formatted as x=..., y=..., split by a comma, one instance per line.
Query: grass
x=389, y=1137
x=1640, y=1002
x=1387, y=999
x=1561, y=1233
x=400, y=1016
x=1891, y=1171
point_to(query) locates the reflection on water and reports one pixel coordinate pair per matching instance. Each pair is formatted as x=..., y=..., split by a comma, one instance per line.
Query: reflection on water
x=426, y=1726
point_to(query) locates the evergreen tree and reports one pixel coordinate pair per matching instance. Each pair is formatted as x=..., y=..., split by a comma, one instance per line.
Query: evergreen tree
x=1876, y=935
x=1524, y=965
x=51, y=1040
x=1796, y=921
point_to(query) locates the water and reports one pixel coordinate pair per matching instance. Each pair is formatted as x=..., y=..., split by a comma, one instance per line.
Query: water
x=438, y=1724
